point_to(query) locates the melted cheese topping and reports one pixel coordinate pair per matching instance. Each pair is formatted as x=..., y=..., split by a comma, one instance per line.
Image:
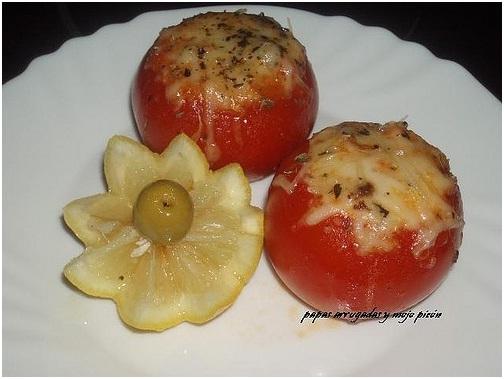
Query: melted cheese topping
x=223, y=61
x=383, y=177
x=230, y=56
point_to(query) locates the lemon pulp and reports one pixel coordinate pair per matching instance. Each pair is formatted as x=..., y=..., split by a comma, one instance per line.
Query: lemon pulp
x=158, y=285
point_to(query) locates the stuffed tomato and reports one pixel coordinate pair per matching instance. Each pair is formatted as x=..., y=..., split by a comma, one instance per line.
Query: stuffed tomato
x=364, y=216
x=239, y=85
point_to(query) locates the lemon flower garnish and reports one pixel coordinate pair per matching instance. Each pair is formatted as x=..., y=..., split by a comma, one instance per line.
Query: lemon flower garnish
x=159, y=266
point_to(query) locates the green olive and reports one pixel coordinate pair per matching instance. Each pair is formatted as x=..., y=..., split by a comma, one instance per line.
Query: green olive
x=163, y=212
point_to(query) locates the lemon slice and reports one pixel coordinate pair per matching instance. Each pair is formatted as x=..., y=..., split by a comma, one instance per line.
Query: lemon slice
x=154, y=285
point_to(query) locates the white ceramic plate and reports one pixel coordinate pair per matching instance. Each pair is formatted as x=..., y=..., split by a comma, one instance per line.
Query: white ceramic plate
x=57, y=118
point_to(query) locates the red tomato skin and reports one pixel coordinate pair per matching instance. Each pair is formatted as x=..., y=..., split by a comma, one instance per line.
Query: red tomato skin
x=257, y=138
x=320, y=265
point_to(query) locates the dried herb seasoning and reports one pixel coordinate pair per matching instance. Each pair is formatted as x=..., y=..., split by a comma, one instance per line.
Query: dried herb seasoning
x=302, y=158
x=383, y=211
x=337, y=190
